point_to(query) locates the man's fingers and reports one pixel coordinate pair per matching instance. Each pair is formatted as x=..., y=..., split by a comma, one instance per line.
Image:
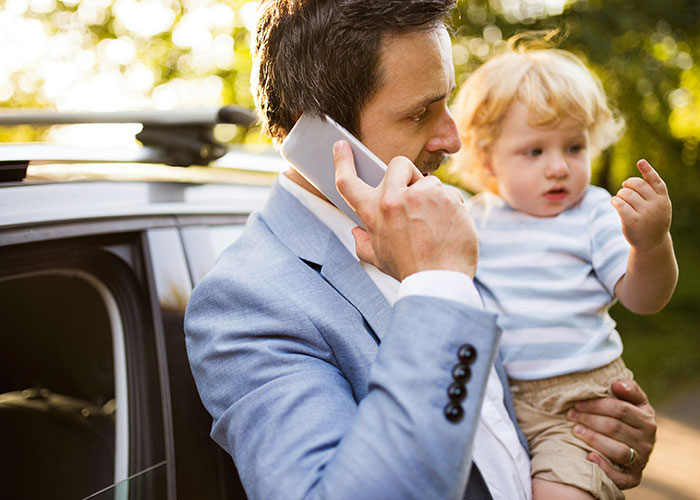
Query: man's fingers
x=601, y=413
x=455, y=194
x=363, y=247
x=401, y=172
x=623, y=479
x=349, y=185
x=629, y=390
x=613, y=426
x=616, y=451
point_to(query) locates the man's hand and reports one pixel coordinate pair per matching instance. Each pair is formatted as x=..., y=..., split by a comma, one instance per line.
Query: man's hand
x=613, y=426
x=645, y=208
x=414, y=223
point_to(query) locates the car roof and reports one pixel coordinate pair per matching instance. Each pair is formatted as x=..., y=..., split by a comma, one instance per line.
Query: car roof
x=46, y=184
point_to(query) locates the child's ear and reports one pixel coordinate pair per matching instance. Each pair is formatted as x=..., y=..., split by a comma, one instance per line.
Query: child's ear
x=485, y=160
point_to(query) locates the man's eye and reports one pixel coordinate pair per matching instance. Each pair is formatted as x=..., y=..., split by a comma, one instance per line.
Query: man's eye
x=422, y=113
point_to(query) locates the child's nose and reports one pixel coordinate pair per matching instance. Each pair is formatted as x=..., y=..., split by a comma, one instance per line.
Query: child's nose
x=557, y=167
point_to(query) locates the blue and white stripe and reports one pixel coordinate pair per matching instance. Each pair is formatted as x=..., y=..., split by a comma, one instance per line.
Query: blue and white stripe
x=552, y=280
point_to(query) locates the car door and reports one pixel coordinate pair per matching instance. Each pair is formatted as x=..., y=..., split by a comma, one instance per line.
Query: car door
x=82, y=404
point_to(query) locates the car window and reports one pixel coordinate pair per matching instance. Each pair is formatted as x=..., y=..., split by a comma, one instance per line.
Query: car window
x=81, y=404
x=63, y=402
x=145, y=485
x=204, y=243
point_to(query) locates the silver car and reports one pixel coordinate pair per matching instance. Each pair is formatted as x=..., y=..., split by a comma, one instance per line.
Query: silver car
x=99, y=251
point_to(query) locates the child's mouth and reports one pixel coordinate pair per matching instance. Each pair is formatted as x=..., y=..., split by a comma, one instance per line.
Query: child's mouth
x=556, y=194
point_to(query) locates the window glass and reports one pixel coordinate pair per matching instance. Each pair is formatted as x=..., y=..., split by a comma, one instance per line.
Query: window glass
x=146, y=485
x=58, y=410
x=203, y=245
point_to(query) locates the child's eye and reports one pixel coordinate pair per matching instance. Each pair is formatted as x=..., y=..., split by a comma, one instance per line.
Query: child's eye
x=420, y=115
x=534, y=152
x=575, y=148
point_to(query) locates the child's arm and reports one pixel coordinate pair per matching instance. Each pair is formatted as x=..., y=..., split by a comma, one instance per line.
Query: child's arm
x=652, y=271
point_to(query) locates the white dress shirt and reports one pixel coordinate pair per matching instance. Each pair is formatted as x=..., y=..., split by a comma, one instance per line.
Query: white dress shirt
x=497, y=451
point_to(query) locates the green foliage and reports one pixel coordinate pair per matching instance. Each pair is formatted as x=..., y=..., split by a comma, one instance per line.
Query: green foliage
x=196, y=52
x=646, y=55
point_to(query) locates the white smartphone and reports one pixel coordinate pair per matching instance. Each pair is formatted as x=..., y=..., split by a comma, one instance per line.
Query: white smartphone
x=309, y=148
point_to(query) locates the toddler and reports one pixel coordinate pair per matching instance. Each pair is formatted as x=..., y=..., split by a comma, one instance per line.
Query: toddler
x=555, y=252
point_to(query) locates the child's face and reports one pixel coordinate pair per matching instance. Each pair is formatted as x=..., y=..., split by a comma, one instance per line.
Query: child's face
x=539, y=171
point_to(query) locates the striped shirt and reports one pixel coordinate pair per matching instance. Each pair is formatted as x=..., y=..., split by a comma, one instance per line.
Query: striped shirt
x=552, y=280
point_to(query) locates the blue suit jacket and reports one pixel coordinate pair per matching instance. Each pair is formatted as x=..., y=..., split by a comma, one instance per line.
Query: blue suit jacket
x=283, y=340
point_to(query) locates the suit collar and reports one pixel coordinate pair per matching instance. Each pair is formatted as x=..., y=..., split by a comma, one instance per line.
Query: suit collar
x=312, y=241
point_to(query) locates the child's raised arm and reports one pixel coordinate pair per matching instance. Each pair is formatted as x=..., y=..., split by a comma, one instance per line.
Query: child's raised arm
x=652, y=271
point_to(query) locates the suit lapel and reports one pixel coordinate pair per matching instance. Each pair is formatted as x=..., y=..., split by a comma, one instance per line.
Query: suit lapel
x=313, y=242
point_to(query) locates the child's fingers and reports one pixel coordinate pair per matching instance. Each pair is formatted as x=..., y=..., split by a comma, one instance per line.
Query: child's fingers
x=651, y=176
x=641, y=186
x=630, y=197
x=620, y=206
x=627, y=214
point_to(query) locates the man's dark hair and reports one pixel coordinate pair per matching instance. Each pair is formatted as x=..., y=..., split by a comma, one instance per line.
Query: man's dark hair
x=322, y=56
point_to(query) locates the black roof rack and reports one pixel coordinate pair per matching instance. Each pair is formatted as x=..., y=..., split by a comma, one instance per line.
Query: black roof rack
x=180, y=137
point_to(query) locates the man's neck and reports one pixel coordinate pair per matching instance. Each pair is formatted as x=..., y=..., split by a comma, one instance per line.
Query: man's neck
x=297, y=178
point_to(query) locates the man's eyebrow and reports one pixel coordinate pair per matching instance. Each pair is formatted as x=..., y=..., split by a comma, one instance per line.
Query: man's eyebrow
x=429, y=100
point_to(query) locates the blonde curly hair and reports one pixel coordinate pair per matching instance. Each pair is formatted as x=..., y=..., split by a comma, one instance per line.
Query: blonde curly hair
x=553, y=84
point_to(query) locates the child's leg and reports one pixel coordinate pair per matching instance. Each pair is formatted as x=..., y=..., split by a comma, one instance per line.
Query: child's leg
x=547, y=490
x=560, y=468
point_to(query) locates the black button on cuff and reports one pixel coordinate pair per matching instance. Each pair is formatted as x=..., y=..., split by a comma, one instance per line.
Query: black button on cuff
x=454, y=412
x=461, y=372
x=466, y=353
x=457, y=392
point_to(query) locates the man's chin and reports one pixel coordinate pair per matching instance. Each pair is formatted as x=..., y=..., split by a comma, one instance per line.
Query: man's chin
x=430, y=165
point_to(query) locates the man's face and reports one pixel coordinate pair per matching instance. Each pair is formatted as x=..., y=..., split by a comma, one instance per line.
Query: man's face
x=408, y=114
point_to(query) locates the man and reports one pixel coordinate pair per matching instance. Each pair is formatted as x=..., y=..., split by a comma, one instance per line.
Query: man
x=333, y=377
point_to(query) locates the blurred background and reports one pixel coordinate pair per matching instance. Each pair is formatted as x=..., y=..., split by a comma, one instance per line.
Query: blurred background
x=107, y=55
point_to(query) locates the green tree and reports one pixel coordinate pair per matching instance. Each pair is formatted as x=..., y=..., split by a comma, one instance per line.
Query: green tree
x=645, y=54
x=116, y=54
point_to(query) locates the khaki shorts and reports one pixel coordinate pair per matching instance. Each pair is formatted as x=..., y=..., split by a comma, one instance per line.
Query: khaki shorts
x=558, y=455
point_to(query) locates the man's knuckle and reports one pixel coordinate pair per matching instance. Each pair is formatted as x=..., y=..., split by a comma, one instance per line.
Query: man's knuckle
x=622, y=412
x=341, y=181
x=612, y=427
x=416, y=196
x=652, y=427
x=388, y=205
x=633, y=480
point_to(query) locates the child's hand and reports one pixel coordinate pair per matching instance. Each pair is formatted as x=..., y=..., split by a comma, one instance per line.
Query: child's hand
x=644, y=207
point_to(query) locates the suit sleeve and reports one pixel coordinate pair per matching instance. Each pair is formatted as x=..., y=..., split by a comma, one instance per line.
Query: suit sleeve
x=284, y=408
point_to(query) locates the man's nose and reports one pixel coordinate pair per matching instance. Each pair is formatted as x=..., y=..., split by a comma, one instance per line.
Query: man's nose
x=446, y=137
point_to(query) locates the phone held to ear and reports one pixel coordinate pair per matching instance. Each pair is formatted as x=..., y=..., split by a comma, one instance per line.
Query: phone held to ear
x=309, y=149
